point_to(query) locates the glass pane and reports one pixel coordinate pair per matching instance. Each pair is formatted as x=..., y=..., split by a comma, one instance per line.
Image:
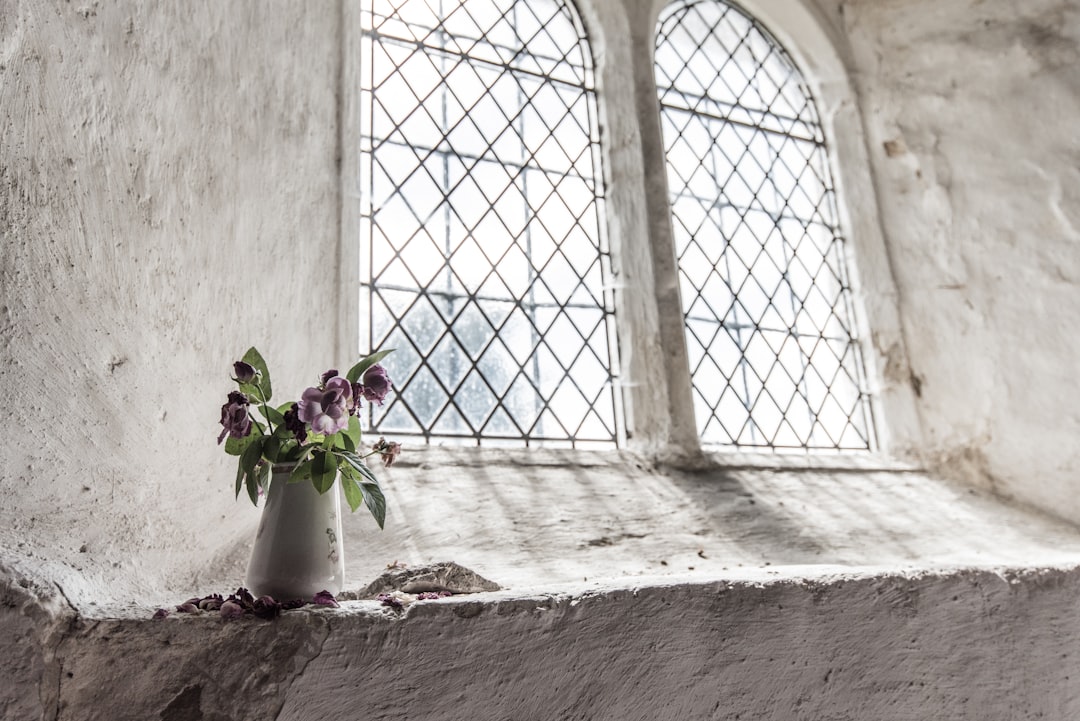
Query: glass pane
x=769, y=326
x=483, y=255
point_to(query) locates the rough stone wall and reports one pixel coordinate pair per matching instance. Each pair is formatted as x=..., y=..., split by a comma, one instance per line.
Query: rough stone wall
x=168, y=196
x=960, y=646
x=970, y=108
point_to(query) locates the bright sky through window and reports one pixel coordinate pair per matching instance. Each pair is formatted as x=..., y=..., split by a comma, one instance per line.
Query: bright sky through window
x=483, y=257
x=770, y=324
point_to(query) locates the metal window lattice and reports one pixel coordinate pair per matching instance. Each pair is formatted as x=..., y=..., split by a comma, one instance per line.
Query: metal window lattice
x=763, y=278
x=483, y=261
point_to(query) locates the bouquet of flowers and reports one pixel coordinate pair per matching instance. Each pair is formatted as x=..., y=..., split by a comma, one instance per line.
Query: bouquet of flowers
x=318, y=436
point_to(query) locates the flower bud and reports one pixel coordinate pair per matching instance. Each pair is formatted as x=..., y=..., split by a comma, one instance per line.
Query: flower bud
x=244, y=372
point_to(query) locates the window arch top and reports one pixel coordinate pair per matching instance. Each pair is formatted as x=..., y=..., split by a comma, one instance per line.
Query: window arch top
x=483, y=258
x=764, y=278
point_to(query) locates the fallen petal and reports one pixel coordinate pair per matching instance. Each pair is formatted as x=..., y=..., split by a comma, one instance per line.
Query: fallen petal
x=231, y=610
x=325, y=598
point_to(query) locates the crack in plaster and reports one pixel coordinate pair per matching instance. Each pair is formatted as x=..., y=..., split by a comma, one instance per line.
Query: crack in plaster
x=322, y=644
x=53, y=638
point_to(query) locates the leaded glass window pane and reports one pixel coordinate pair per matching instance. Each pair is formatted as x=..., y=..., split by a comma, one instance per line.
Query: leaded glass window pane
x=483, y=258
x=763, y=275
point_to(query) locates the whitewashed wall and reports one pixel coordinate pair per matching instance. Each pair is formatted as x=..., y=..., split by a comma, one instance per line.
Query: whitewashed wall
x=168, y=197
x=970, y=109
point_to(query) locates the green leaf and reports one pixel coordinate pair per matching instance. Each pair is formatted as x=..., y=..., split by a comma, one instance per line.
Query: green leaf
x=271, y=448
x=358, y=370
x=375, y=501
x=252, y=391
x=323, y=471
x=353, y=495
x=252, y=454
x=369, y=484
x=341, y=441
x=272, y=415
x=239, y=478
x=252, y=488
x=262, y=478
x=290, y=452
x=255, y=360
x=358, y=463
x=302, y=472
x=353, y=432
x=236, y=446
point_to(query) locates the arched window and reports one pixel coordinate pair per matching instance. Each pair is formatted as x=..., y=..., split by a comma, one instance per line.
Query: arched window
x=483, y=259
x=763, y=275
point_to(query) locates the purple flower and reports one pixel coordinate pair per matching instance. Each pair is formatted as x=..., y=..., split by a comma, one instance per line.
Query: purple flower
x=234, y=417
x=294, y=424
x=244, y=372
x=326, y=410
x=332, y=373
x=324, y=598
x=375, y=384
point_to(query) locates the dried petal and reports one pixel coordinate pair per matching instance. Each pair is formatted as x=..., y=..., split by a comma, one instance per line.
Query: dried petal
x=388, y=599
x=243, y=597
x=231, y=609
x=266, y=607
x=161, y=613
x=388, y=450
x=211, y=603
x=325, y=598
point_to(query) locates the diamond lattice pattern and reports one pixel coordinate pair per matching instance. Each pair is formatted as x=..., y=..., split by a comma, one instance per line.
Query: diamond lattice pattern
x=483, y=261
x=763, y=278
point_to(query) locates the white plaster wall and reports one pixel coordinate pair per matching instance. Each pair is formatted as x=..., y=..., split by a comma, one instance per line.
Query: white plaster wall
x=168, y=197
x=970, y=109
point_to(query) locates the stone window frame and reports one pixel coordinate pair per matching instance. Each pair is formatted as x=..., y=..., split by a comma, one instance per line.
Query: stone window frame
x=656, y=386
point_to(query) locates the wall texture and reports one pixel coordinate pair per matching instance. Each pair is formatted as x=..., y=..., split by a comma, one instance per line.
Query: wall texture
x=168, y=197
x=968, y=107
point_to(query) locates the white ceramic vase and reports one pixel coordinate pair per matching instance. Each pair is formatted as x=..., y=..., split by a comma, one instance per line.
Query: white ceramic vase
x=298, y=548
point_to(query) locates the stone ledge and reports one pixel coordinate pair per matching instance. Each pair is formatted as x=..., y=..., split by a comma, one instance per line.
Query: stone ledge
x=961, y=644
x=632, y=591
